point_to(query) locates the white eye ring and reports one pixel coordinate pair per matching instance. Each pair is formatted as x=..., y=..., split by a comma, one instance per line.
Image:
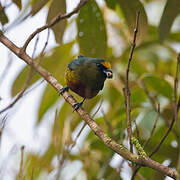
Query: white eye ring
x=109, y=74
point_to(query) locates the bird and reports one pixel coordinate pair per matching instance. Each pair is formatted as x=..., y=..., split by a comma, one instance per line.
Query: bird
x=85, y=76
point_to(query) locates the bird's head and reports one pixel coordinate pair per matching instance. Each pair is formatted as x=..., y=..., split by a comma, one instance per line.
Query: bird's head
x=105, y=67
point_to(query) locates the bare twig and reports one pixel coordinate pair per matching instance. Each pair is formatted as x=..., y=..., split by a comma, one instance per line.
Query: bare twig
x=177, y=106
x=2, y=125
x=127, y=90
x=153, y=103
x=54, y=21
x=19, y=95
x=35, y=47
x=31, y=73
x=113, y=145
x=154, y=127
x=152, y=100
x=5, y=7
x=108, y=125
x=119, y=168
x=84, y=125
x=175, y=89
x=176, y=110
x=33, y=87
x=20, y=174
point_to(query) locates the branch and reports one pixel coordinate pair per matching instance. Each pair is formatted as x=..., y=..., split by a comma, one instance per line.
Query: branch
x=177, y=106
x=20, y=174
x=113, y=145
x=127, y=90
x=153, y=103
x=154, y=127
x=54, y=21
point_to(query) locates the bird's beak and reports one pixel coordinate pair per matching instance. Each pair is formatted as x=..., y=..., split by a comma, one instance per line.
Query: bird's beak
x=108, y=72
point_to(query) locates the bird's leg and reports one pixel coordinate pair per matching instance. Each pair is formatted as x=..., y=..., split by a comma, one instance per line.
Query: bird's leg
x=78, y=105
x=63, y=90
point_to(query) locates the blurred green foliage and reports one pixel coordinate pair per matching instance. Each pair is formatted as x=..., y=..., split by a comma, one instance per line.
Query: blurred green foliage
x=101, y=30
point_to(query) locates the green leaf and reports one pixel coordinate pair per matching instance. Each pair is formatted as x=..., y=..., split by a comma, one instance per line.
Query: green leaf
x=137, y=96
x=18, y=3
x=49, y=98
x=148, y=120
x=59, y=125
x=3, y=17
x=174, y=36
x=111, y=3
x=129, y=9
x=38, y=164
x=57, y=6
x=160, y=85
x=91, y=31
x=37, y=6
x=171, y=10
x=22, y=77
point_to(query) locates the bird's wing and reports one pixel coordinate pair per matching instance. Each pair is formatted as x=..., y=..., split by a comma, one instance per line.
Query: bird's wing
x=74, y=64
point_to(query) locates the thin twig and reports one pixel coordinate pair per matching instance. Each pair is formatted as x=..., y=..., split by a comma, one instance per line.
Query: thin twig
x=84, y=125
x=154, y=127
x=108, y=125
x=19, y=95
x=152, y=100
x=175, y=112
x=135, y=171
x=20, y=174
x=33, y=87
x=175, y=89
x=35, y=47
x=153, y=103
x=54, y=21
x=119, y=168
x=127, y=89
x=2, y=125
x=5, y=7
x=64, y=152
x=177, y=106
x=31, y=73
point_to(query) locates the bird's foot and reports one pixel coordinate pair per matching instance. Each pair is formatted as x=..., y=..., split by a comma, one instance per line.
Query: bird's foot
x=77, y=106
x=63, y=90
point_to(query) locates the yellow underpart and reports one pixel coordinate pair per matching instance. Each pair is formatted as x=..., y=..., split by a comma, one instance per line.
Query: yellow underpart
x=70, y=76
x=106, y=64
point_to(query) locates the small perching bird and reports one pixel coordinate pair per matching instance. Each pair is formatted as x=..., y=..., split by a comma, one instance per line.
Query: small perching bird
x=85, y=76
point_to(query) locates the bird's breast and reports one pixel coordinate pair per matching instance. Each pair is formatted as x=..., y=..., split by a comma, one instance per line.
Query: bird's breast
x=85, y=83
